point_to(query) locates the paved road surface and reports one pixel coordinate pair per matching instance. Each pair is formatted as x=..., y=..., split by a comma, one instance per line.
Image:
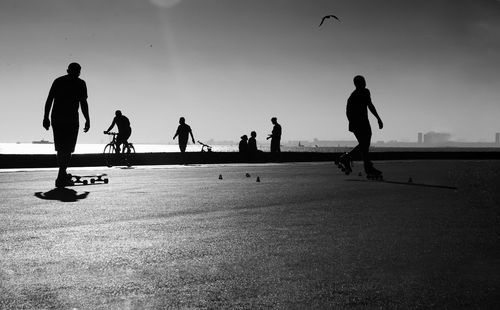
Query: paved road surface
x=306, y=236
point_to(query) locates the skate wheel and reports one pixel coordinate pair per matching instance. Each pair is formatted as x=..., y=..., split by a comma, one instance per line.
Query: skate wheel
x=85, y=182
x=92, y=181
x=106, y=181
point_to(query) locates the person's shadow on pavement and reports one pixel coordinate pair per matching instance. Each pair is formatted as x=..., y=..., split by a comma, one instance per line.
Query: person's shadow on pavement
x=62, y=194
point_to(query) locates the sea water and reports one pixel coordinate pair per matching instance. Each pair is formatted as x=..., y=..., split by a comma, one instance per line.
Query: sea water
x=81, y=148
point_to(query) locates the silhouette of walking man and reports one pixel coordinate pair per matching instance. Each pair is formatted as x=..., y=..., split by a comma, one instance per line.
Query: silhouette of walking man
x=124, y=129
x=183, y=131
x=275, y=136
x=357, y=108
x=67, y=94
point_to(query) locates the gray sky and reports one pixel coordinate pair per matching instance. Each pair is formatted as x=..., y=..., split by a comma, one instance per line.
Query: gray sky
x=228, y=66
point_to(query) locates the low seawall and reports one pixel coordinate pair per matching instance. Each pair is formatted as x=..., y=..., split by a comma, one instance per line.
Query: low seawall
x=92, y=160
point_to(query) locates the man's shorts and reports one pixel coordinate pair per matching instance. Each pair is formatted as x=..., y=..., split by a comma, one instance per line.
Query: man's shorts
x=123, y=136
x=65, y=136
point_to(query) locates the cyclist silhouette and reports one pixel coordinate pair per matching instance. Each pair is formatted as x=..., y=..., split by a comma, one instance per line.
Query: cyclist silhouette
x=124, y=129
x=67, y=94
x=183, y=131
x=357, y=108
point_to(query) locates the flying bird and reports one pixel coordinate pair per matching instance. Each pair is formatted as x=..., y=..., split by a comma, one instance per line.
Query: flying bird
x=328, y=16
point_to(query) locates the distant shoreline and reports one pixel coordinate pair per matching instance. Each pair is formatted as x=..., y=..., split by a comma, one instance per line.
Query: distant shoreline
x=8, y=161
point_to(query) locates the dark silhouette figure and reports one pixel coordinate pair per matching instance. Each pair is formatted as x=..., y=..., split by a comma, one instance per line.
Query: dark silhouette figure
x=124, y=129
x=357, y=108
x=243, y=146
x=67, y=94
x=252, y=143
x=326, y=17
x=275, y=136
x=183, y=131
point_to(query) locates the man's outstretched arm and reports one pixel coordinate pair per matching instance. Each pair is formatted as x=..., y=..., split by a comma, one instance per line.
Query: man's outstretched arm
x=85, y=112
x=192, y=137
x=48, y=106
x=111, y=126
x=372, y=109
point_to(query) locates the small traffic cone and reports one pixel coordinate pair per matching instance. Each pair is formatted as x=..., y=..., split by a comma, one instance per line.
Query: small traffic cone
x=258, y=179
x=410, y=180
x=220, y=176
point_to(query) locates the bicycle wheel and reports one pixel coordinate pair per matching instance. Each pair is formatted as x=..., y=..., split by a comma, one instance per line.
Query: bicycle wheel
x=128, y=154
x=109, y=154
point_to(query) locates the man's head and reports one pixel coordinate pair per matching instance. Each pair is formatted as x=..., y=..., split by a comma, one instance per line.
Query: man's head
x=74, y=69
x=182, y=120
x=359, y=82
x=244, y=137
x=253, y=134
x=118, y=113
x=274, y=120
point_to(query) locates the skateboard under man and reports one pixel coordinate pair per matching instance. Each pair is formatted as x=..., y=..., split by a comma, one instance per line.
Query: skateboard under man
x=85, y=179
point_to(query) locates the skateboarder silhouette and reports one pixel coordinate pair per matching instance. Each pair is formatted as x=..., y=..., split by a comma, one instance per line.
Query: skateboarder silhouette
x=183, y=131
x=275, y=136
x=67, y=94
x=358, y=104
x=124, y=129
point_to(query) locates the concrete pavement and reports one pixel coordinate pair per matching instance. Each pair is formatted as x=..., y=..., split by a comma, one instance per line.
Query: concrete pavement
x=306, y=236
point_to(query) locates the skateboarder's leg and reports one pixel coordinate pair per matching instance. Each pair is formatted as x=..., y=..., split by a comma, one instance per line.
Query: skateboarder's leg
x=63, y=159
x=65, y=136
x=63, y=179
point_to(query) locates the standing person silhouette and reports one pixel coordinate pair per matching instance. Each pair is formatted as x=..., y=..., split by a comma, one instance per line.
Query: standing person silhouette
x=357, y=108
x=183, y=131
x=67, y=94
x=124, y=129
x=275, y=136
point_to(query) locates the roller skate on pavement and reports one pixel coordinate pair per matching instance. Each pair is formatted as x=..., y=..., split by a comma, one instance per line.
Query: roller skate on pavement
x=374, y=174
x=344, y=164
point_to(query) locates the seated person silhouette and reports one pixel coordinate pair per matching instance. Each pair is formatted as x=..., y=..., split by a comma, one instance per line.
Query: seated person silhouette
x=124, y=130
x=183, y=131
x=252, y=143
x=243, y=146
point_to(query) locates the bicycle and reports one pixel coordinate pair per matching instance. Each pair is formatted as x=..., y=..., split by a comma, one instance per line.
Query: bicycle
x=111, y=156
x=208, y=147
